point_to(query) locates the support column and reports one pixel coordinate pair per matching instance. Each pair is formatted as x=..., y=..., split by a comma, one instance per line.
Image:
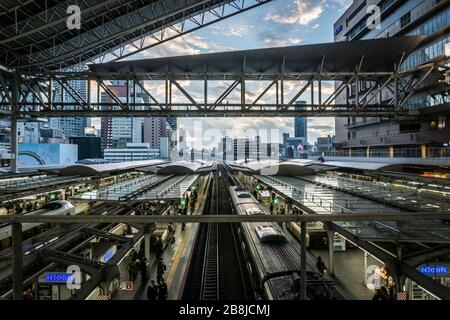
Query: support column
x=330, y=236
x=14, y=145
x=303, y=261
x=14, y=110
x=147, y=236
x=17, y=245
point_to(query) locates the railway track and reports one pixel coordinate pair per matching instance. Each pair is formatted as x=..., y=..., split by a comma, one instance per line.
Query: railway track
x=213, y=274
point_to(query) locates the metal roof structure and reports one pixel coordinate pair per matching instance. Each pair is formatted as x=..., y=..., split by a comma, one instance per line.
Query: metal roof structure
x=315, y=198
x=41, y=34
x=359, y=165
x=178, y=168
x=144, y=188
x=299, y=167
x=336, y=57
x=282, y=168
x=98, y=169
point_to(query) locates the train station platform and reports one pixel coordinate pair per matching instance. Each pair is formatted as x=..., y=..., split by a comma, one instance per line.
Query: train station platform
x=177, y=258
x=349, y=272
x=171, y=256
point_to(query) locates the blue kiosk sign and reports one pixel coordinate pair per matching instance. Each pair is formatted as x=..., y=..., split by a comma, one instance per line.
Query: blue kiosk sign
x=434, y=270
x=56, y=277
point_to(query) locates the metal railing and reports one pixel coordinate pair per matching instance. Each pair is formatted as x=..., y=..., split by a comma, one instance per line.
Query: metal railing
x=427, y=153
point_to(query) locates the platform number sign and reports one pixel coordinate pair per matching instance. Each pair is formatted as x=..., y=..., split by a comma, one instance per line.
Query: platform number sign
x=373, y=278
x=126, y=286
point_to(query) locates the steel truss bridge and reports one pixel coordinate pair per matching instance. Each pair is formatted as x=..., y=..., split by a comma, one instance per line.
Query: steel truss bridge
x=369, y=81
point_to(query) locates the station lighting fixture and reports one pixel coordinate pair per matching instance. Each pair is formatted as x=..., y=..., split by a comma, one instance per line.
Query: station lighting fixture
x=275, y=200
x=258, y=187
x=183, y=201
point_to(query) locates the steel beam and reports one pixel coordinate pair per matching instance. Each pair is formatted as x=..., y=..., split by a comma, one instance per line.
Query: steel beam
x=17, y=245
x=303, y=258
x=382, y=216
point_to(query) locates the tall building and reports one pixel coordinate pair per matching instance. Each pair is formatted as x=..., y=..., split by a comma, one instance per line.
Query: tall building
x=300, y=123
x=225, y=147
x=71, y=126
x=430, y=18
x=154, y=129
x=182, y=143
x=118, y=131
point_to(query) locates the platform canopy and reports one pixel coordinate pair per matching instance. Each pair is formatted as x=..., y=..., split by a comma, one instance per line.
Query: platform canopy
x=377, y=55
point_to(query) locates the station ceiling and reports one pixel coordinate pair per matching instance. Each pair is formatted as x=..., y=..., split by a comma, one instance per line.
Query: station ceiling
x=34, y=34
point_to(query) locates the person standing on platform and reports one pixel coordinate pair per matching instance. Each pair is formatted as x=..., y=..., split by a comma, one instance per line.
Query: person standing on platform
x=162, y=290
x=152, y=291
x=132, y=269
x=158, y=248
x=143, y=269
x=320, y=265
x=160, y=269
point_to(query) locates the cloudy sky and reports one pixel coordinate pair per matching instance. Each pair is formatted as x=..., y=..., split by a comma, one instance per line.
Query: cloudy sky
x=279, y=23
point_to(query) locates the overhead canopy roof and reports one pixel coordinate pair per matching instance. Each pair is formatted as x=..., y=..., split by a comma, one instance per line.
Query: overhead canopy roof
x=178, y=168
x=359, y=165
x=337, y=57
x=98, y=169
x=275, y=167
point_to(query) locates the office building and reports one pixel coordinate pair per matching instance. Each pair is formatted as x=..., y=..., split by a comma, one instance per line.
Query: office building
x=132, y=152
x=326, y=144
x=154, y=129
x=301, y=123
x=117, y=132
x=429, y=18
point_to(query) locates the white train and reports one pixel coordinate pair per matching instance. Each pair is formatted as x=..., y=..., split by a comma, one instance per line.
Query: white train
x=273, y=258
x=55, y=208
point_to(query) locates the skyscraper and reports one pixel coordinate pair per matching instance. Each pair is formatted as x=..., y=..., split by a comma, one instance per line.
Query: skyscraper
x=154, y=130
x=117, y=132
x=301, y=123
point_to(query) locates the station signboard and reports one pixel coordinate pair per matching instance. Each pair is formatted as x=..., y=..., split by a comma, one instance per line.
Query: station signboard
x=55, y=277
x=435, y=270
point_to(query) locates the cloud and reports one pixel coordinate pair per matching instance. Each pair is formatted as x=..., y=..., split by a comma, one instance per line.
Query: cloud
x=340, y=5
x=277, y=42
x=298, y=12
x=237, y=30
